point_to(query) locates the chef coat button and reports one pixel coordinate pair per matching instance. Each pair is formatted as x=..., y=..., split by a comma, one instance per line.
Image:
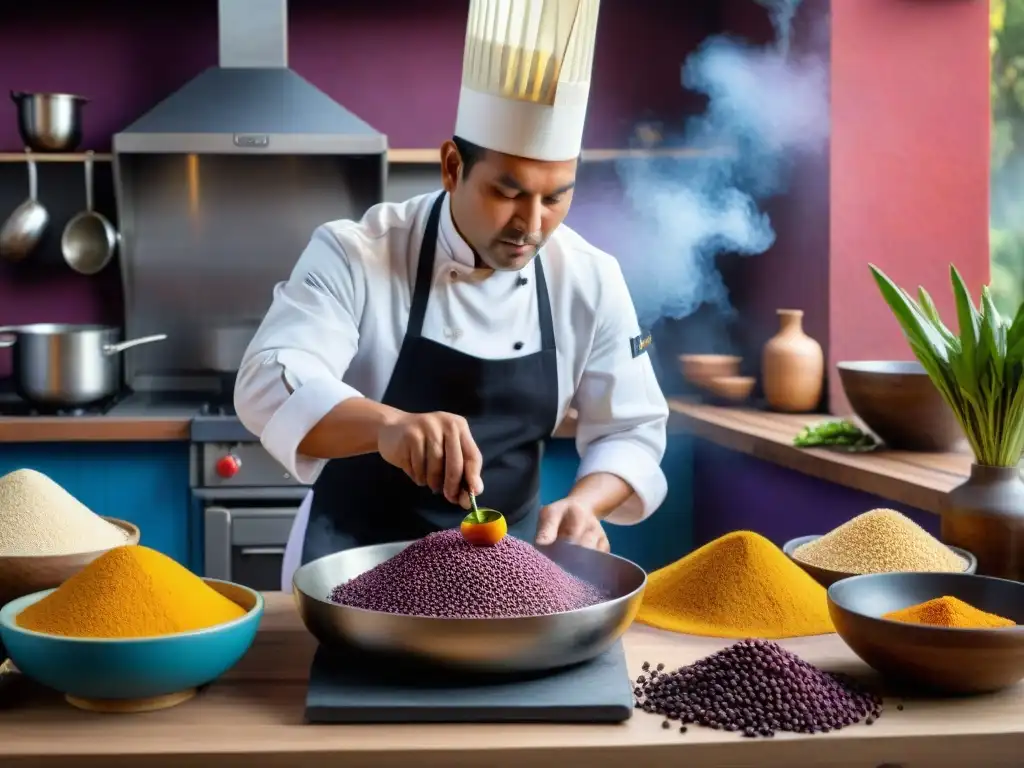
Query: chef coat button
x=518, y=345
x=454, y=275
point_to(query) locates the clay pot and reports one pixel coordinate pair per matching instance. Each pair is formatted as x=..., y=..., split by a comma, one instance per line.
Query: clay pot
x=985, y=516
x=793, y=366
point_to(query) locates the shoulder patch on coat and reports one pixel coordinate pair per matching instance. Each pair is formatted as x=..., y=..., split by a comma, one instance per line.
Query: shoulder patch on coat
x=638, y=344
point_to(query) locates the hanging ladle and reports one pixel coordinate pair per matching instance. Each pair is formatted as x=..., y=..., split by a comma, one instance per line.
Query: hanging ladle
x=89, y=240
x=24, y=228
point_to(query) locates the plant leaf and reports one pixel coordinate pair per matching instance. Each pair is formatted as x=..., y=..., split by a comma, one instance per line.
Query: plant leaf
x=993, y=341
x=932, y=313
x=970, y=332
x=916, y=327
x=1015, y=333
x=978, y=373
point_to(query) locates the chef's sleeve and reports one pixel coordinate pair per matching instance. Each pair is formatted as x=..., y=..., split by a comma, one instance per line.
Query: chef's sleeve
x=291, y=374
x=623, y=415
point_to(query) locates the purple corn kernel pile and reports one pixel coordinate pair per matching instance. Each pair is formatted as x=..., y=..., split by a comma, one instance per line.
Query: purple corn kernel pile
x=756, y=688
x=443, y=575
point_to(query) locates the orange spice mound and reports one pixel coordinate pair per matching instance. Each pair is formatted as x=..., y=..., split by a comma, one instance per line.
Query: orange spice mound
x=949, y=612
x=739, y=586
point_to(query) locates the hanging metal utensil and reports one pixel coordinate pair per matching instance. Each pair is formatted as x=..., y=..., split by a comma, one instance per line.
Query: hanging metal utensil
x=89, y=240
x=24, y=228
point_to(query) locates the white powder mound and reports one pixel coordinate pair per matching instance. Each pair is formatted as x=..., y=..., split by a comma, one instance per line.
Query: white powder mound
x=38, y=517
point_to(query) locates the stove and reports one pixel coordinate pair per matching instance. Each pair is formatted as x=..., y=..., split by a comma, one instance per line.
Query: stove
x=217, y=422
x=248, y=500
x=11, y=405
x=218, y=407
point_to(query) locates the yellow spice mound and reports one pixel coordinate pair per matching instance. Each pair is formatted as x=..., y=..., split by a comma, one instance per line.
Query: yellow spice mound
x=737, y=586
x=130, y=591
x=949, y=612
x=879, y=541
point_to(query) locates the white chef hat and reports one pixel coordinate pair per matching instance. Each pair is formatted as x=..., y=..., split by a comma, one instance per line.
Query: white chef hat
x=526, y=76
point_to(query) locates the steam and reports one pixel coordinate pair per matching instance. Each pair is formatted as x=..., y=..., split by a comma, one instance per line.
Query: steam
x=765, y=107
x=781, y=13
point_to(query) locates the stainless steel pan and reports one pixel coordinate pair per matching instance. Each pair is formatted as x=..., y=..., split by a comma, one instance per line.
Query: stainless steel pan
x=528, y=644
x=224, y=344
x=67, y=365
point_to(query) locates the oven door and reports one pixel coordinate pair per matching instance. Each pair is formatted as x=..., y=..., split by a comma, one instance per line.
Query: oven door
x=246, y=544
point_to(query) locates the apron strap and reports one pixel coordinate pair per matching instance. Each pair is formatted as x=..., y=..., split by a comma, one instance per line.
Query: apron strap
x=424, y=271
x=547, y=326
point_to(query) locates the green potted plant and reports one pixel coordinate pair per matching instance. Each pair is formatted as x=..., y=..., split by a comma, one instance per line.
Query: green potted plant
x=980, y=374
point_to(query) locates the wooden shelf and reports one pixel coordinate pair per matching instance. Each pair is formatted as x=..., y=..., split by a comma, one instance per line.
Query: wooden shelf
x=53, y=157
x=415, y=156
x=432, y=156
x=921, y=480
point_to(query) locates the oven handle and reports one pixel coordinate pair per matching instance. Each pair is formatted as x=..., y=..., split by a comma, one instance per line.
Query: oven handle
x=261, y=551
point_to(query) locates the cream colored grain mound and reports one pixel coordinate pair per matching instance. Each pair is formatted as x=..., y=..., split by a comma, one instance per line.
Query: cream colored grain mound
x=38, y=517
x=879, y=541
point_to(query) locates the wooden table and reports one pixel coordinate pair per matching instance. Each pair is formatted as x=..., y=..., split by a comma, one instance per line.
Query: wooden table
x=919, y=480
x=253, y=719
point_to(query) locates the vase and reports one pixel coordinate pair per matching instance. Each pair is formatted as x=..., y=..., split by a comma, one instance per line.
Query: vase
x=985, y=516
x=792, y=366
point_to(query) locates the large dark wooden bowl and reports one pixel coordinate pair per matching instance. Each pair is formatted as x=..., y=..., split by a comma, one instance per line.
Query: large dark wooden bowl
x=932, y=659
x=23, y=575
x=827, y=577
x=898, y=402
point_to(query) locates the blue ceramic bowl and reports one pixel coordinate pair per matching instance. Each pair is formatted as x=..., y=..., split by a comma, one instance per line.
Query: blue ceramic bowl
x=131, y=668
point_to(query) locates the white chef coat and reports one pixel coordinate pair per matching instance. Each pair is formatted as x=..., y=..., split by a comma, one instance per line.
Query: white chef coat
x=335, y=327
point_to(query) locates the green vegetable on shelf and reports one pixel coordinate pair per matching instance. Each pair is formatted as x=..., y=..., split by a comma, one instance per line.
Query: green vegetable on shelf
x=840, y=434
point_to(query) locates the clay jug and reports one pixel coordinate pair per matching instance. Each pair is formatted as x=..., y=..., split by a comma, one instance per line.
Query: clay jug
x=792, y=366
x=985, y=516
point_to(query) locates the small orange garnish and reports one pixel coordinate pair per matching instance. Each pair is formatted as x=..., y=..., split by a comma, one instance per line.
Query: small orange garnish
x=484, y=527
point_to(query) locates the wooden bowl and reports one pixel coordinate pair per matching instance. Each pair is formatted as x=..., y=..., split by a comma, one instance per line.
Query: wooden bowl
x=24, y=574
x=827, y=577
x=898, y=402
x=734, y=388
x=700, y=369
x=935, y=659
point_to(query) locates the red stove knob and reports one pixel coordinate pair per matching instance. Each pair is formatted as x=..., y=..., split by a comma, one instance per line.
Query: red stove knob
x=228, y=466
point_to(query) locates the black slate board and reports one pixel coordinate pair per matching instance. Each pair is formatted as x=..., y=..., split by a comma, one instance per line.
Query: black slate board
x=346, y=689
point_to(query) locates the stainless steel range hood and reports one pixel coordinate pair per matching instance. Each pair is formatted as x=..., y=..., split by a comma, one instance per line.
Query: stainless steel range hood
x=252, y=103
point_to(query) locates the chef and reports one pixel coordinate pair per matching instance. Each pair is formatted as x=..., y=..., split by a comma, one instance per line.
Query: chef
x=428, y=349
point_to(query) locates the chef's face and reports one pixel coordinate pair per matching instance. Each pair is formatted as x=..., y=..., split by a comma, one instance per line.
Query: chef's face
x=506, y=207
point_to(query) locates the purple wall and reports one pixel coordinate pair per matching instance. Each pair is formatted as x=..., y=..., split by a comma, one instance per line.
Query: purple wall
x=733, y=491
x=387, y=64
x=398, y=67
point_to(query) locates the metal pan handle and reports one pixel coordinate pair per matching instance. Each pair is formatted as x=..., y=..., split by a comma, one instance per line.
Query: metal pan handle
x=114, y=349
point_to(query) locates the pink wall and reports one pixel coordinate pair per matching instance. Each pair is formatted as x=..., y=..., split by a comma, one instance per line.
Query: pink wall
x=909, y=165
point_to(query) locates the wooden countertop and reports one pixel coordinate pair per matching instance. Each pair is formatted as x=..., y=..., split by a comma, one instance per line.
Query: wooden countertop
x=53, y=429
x=253, y=718
x=920, y=480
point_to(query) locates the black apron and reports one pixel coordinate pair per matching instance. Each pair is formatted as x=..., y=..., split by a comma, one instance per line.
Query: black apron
x=511, y=405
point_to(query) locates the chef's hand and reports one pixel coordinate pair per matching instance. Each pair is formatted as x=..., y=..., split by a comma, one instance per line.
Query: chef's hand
x=573, y=521
x=436, y=450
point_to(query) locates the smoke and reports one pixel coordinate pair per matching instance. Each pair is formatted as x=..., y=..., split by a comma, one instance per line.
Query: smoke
x=765, y=108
